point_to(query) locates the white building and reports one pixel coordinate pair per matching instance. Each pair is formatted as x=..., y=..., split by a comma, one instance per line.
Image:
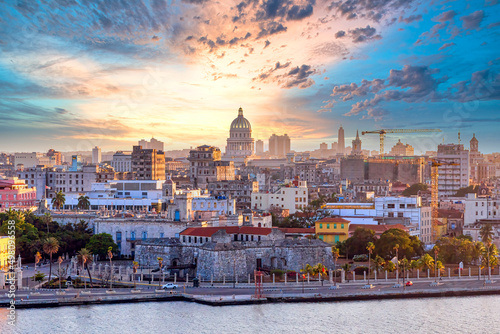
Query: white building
x=480, y=208
x=33, y=159
x=122, y=161
x=293, y=197
x=452, y=177
x=388, y=210
x=96, y=155
x=127, y=231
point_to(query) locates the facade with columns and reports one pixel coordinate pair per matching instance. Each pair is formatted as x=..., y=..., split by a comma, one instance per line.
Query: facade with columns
x=240, y=143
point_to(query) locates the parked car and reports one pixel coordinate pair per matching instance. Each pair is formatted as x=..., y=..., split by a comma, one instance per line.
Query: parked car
x=409, y=283
x=170, y=286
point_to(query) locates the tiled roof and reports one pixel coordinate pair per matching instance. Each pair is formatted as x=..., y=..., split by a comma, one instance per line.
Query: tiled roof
x=377, y=228
x=333, y=220
x=209, y=231
x=331, y=233
x=298, y=230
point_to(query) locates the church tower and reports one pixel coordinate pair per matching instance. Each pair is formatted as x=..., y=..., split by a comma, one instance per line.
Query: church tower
x=356, y=145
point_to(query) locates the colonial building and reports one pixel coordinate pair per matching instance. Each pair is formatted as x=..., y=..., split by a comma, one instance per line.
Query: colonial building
x=454, y=173
x=402, y=149
x=240, y=143
x=293, y=197
x=228, y=253
x=14, y=193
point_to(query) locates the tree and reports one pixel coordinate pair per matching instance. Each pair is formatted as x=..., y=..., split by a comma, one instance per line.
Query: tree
x=486, y=233
x=426, y=262
x=39, y=277
x=110, y=256
x=135, y=265
x=83, y=202
x=335, y=254
x=50, y=247
x=357, y=243
x=389, y=266
x=378, y=263
x=409, y=246
x=59, y=200
x=466, y=190
x=85, y=259
x=99, y=244
x=414, y=189
x=370, y=247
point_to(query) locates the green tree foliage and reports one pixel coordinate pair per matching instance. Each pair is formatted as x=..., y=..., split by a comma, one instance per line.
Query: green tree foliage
x=99, y=244
x=31, y=230
x=59, y=200
x=456, y=250
x=409, y=246
x=378, y=263
x=83, y=202
x=486, y=233
x=389, y=266
x=414, y=189
x=467, y=190
x=426, y=262
x=356, y=244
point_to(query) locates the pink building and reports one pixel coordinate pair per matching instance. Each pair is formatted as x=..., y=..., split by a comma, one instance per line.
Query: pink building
x=14, y=193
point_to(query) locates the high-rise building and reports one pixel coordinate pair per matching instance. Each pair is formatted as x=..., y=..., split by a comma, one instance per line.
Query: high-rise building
x=456, y=176
x=96, y=155
x=279, y=145
x=341, y=142
x=56, y=156
x=259, y=147
x=153, y=144
x=402, y=149
x=240, y=143
x=356, y=145
x=148, y=164
x=206, y=166
x=76, y=163
x=323, y=146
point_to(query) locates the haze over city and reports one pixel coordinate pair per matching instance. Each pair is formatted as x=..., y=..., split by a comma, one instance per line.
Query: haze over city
x=110, y=73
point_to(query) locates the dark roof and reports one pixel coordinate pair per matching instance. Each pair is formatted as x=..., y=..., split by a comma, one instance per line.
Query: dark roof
x=377, y=228
x=333, y=220
x=288, y=230
x=209, y=231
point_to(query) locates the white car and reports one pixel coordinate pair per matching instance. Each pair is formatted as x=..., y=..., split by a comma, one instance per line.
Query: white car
x=170, y=286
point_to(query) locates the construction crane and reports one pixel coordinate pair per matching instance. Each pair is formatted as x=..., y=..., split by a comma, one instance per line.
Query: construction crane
x=435, y=192
x=384, y=131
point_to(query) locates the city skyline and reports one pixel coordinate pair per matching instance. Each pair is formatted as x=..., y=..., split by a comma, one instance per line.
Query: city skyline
x=179, y=72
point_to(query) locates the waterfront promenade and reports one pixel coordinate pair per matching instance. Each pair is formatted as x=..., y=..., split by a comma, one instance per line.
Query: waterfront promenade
x=219, y=294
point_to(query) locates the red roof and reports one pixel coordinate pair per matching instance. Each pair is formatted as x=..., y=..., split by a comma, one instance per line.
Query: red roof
x=331, y=233
x=209, y=231
x=333, y=220
x=444, y=213
x=298, y=230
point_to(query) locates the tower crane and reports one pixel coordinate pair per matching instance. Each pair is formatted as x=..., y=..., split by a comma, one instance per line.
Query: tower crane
x=383, y=132
x=434, y=191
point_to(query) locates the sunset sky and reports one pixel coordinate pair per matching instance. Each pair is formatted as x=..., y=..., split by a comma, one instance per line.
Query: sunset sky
x=76, y=74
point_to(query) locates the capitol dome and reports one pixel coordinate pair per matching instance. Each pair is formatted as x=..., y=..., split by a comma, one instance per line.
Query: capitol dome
x=240, y=122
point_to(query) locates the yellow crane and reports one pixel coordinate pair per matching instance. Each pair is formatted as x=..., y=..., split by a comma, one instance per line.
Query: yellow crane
x=383, y=132
x=435, y=192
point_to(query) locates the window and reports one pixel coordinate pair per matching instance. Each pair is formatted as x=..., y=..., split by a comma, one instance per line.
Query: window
x=335, y=226
x=118, y=236
x=391, y=206
x=144, y=235
x=162, y=235
x=401, y=206
x=320, y=225
x=183, y=238
x=132, y=235
x=342, y=225
x=400, y=214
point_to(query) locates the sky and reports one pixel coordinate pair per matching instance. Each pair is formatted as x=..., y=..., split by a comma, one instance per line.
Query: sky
x=75, y=74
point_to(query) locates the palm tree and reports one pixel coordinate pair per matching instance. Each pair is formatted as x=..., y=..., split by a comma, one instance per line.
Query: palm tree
x=135, y=265
x=477, y=251
x=83, y=203
x=436, y=251
x=110, y=256
x=50, y=247
x=370, y=249
x=47, y=218
x=59, y=200
x=160, y=264
x=486, y=233
x=335, y=253
x=396, y=248
x=378, y=263
x=426, y=262
x=85, y=259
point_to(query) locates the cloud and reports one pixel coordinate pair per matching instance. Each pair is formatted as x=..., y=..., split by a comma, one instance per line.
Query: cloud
x=445, y=16
x=373, y=10
x=472, y=21
x=410, y=18
x=363, y=34
x=340, y=34
x=446, y=45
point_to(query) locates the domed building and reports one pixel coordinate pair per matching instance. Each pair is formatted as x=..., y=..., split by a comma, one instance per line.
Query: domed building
x=240, y=143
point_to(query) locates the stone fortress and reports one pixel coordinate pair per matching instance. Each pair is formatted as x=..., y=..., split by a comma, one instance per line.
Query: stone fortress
x=226, y=253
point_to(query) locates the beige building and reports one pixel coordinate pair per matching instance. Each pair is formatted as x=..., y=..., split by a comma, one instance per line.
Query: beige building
x=402, y=149
x=148, y=164
x=206, y=166
x=293, y=197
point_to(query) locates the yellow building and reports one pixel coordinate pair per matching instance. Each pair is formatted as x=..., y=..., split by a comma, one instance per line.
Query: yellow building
x=4, y=252
x=332, y=230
